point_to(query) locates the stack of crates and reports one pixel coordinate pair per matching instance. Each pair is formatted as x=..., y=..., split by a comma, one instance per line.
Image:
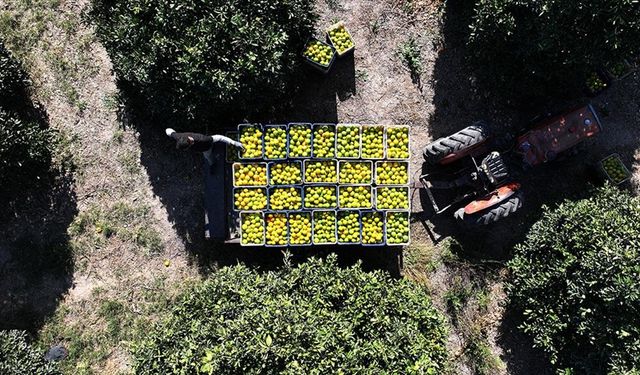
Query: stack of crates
x=304, y=184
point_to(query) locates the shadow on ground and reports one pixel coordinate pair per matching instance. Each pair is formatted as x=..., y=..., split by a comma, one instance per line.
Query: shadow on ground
x=176, y=176
x=36, y=260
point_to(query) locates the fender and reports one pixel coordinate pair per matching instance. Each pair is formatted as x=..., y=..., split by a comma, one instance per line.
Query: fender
x=495, y=197
x=473, y=150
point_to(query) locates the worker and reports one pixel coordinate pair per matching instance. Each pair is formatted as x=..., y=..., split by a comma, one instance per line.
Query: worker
x=200, y=142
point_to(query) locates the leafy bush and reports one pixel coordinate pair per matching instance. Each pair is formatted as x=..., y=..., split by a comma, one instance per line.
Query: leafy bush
x=576, y=279
x=24, y=136
x=316, y=318
x=534, y=48
x=17, y=357
x=196, y=59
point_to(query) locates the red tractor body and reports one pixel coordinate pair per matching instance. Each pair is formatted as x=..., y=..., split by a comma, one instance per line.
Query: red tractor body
x=557, y=134
x=480, y=180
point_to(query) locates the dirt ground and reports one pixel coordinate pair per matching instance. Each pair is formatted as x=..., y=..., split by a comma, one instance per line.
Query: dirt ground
x=127, y=181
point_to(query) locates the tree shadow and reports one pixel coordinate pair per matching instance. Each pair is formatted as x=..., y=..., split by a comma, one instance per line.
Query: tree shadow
x=36, y=259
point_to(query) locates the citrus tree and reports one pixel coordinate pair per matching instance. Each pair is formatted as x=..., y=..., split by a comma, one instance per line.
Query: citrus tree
x=575, y=278
x=18, y=357
x=534, y=48
x=315, y=318
x=198, y=60
x=25, y=154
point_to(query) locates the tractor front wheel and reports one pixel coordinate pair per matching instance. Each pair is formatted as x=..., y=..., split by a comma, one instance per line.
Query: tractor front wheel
x=456, y=145
x=492, y=214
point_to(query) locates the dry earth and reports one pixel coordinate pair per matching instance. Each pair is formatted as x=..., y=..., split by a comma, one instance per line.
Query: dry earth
x=136, y=223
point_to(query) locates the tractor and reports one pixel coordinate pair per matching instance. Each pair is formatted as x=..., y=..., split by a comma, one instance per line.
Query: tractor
x=475, y=171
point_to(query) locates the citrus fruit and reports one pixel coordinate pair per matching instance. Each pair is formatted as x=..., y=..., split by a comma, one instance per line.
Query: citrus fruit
x=248, y=199
x=324, y=227
x=251, y=139
x=276, y=230
x=252, y=226
x=250, y=174
x=320, y=197
x=392, y=173
x=348, y=140
x=275, y=142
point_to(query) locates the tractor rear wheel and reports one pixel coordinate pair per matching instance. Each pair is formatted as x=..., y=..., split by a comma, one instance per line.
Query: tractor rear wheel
x=456, y=145
x=492, y=214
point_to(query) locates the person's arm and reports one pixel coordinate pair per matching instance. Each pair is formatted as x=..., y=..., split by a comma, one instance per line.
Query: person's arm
x=227, y=140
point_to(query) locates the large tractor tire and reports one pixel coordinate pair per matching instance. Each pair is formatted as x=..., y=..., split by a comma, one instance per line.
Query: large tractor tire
x=456, y=145
x=492, y=214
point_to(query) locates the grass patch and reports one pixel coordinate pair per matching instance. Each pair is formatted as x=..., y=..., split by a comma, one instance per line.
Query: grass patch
x=130, y=162
x=411, y=57
x=457, y=297
x=480, y=355
x=101, y=327
x=95, y=226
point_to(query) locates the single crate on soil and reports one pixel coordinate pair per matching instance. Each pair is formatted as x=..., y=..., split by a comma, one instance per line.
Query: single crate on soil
x=324, y=227
x=250, y=174
x=275, y=142
x=340, y=38
x=252, y=229
x=319, y=55
x=252, y=138
x=596, y=83
x=614, y=169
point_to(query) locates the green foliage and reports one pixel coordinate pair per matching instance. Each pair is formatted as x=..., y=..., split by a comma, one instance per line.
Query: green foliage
x=17, y=357
x=412, y=58
x=198, y=60
x=24, y=137
x=542, y=47
x=316, y=318
x=576, y=279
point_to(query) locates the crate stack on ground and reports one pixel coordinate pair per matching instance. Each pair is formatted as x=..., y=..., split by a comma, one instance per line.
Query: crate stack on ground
x=304, y=184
